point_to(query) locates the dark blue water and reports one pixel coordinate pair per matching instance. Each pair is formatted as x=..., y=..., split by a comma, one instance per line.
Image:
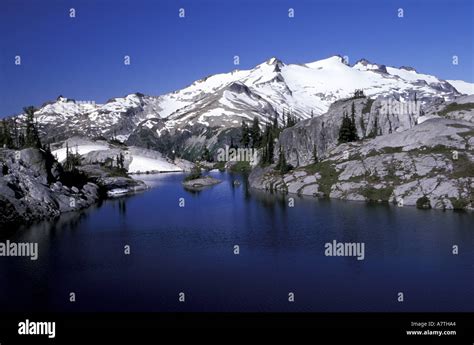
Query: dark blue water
x=190, y=250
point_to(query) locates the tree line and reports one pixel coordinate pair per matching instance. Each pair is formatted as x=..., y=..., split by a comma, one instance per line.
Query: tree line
x=15, y=135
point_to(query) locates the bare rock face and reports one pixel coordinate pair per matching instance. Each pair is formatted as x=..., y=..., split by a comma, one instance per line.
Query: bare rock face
x=430, y=165
x=372, y=118
x=30, y=189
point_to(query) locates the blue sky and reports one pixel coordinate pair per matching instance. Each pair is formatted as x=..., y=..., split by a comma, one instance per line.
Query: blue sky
x=82, y=57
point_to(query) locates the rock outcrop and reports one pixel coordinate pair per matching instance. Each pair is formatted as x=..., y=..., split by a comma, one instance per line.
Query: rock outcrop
x=30, y=188
x=201, y=183
x=372, y=118
x=429, y=165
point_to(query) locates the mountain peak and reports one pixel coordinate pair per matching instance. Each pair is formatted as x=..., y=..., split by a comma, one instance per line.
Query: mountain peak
x=365, y=65
x=408, y=68
x=275, y=62
x=364, y=62
x=335, y=60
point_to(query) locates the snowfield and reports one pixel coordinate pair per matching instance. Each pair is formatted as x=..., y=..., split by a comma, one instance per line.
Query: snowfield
x=60, y=154
x=462, y=86
x=144, y=164
x=137, y=160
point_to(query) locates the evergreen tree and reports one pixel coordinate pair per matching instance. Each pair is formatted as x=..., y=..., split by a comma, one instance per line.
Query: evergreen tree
x=245, y=138
x=282, y=165
x=67, y=161
x=275, y=123
x=315, y=154
x=7, y=136
x=255, y=133
x=345, y=130
x=32, y=137
x=206, y=155
x=6, y=139
x=353, y=128
x=270, y=146
x=16, y=139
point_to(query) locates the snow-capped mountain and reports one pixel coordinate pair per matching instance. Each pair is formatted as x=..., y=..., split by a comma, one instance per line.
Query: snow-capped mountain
x=305, y=90
x=462, y=86
x=208, y=109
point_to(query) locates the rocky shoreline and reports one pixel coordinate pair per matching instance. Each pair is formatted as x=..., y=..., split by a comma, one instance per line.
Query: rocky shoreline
x=32, y=187
x=428, y=166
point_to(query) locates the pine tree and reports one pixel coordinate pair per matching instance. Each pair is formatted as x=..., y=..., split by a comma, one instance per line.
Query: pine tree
x=353, y=129
x=282, y=166
x=7, y=136
x=270, y=148
x=32, y=137
x=206, y=155
x=275, y=122
x=345, y=130
x=67, y=161
x=315, y=154
x=245, y=138
x=255, y=133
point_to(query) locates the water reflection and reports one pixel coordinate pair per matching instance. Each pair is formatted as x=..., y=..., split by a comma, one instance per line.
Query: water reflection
x=282, y=247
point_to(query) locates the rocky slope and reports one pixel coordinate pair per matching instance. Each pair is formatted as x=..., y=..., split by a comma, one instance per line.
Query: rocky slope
x=30, y=188
x=428, y=165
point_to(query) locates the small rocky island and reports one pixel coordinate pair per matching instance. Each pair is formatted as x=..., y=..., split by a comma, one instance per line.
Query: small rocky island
x=202, y=182
x=196, y=181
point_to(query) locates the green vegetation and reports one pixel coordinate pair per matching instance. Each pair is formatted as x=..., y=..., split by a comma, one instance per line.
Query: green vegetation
x=195, y=173
x=282, y=166
x=358, y=94
x=459, y=204
x=315, y=154
x=253, y=136
x=31, y=131
x=219, y=165
x=462, y=167
x=374, y=194
x=456, y=107
x=348, y=130
x=206, y=155
x=423, y=203
x=240, y=167
x=328, y=173
x=13, y=136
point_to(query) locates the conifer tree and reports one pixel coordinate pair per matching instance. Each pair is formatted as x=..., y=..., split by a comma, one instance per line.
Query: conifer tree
x=245, y=139
x=255, y=133
x=282, y=165
x=315, y=154
x=32, y=137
